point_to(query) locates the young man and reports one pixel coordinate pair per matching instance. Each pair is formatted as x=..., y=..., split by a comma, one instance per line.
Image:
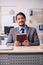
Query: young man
x=32, y=37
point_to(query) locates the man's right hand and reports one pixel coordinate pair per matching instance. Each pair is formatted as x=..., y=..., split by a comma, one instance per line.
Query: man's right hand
x=17, y=43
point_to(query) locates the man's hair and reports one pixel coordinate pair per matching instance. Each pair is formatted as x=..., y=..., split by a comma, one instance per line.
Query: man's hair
x=20, y=13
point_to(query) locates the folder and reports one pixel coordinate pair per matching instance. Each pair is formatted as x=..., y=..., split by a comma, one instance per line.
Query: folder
x=21, y=37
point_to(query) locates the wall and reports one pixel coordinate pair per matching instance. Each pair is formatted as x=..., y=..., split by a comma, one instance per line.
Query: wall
x=19, y=5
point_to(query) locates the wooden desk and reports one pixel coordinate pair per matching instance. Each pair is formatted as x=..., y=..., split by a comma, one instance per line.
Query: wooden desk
x=32, y=55
x=24, y=49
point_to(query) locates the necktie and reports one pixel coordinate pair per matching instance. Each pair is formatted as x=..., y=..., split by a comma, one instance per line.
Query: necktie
x=22, y=29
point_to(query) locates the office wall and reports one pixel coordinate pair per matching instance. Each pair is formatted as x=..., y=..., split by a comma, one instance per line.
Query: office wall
x=0, y=20
x=18, y=5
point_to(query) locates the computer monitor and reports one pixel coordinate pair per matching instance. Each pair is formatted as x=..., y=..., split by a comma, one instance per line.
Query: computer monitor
x=7, y=29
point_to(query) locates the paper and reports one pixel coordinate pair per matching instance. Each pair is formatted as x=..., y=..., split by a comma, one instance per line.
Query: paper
x=2, y=47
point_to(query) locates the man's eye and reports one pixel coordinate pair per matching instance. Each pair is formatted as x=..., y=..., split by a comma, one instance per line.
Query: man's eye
x=22, y=18
x=18, y=18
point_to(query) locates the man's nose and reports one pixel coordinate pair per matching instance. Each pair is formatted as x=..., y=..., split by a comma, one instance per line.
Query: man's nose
x=20, y=19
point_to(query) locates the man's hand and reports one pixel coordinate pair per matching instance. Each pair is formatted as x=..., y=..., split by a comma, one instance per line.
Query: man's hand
x=26, y=43
x=17, y=43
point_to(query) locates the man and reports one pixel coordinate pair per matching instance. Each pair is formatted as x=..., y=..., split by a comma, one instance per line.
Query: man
x=32, y=37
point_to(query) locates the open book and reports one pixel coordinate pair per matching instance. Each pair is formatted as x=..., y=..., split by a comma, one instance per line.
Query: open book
x=21, y=37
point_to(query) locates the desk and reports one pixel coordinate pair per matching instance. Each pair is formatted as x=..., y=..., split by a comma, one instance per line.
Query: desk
x=32, y=55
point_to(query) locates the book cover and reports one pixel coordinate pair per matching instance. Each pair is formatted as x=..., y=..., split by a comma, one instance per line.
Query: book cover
x=21, y=37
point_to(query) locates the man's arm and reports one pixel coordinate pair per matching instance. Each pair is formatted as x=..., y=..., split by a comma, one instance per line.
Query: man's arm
x=35, y=39
x=10, y=39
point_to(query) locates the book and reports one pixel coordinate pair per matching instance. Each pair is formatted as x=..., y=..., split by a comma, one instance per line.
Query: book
x=21, y=37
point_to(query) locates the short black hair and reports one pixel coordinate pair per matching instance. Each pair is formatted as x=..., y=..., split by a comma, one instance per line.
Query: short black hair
x=20, y=13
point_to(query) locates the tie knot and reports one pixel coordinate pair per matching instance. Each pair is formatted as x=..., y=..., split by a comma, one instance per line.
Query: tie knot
x=22, y=29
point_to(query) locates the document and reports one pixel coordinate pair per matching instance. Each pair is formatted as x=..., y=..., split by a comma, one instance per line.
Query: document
x=21, y=37
x=5, y=47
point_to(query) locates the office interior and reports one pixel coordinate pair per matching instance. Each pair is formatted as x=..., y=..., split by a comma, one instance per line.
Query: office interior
x=21, y=55
x=33, y=10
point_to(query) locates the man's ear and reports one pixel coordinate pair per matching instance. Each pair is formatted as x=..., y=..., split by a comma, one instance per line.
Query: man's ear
x=25, y=20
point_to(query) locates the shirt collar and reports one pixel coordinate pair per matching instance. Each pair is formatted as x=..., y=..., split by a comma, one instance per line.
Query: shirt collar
x=22, y=27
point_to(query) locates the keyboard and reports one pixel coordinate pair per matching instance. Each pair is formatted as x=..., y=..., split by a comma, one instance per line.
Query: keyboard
x=3, y=47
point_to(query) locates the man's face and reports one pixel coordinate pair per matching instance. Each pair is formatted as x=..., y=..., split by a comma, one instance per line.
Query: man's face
x=21, y=20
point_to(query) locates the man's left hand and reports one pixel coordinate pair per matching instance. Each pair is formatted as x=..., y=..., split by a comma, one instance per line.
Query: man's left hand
x=26, y=43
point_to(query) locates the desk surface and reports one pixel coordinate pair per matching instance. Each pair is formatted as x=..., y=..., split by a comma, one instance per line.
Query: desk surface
x=24, y=49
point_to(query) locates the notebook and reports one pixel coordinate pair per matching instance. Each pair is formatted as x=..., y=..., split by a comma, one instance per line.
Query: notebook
x=21, y=37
